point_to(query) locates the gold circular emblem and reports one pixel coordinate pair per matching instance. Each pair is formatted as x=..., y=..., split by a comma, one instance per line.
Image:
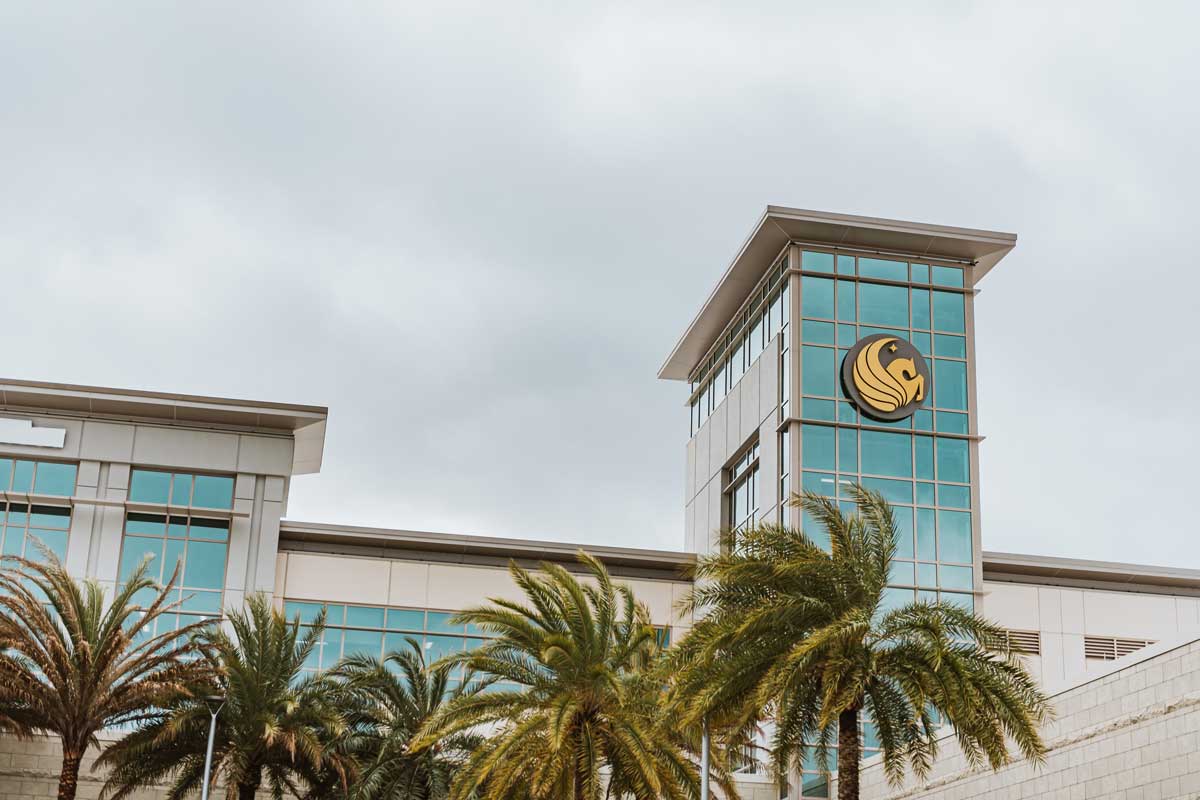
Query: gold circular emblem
x=886, y=377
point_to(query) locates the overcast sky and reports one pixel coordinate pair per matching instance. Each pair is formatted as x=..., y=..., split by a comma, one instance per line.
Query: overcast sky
x=476, y=231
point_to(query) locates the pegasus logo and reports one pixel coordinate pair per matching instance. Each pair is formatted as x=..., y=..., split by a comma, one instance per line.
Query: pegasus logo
x=886, y=377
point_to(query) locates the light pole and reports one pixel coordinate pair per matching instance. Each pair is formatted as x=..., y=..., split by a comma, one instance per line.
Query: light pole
x=215, y=703
x=704, y=763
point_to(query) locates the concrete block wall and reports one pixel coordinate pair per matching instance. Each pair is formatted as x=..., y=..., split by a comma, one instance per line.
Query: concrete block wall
x=1131, y=733
x=750, y=410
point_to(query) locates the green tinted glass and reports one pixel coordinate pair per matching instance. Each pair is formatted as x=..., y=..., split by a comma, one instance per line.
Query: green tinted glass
x=893, y=491
x=954, y=496
x=887, y=454
x=883, y=269
x=818, y=409
x=22, y=476
x=945, y=344
x=213, y=491
x=883, y=305
x=948, y=276
x=925, y=535
x=816, y=262
x=904, y=531
x=817, y=447
x=205, y=567
x=927, y=575
x=952, y=422
x=950, y=384
x=923, y=420
x=819, y=370
x=920, y=273
x=403, y=619
x=901, y=572
x=847, y=449
x=181, y=489
x=845, y=265
x=56, y=479
x=845, y=301
x=925, y=494
x=954, y=536
x=816, y=297
x=819, y=482
x=364, y=617
x=953, y=460
x=149, y=487
x=920, y=308
x=924, y=452
x=814, y=332
x=948, y=312
x=956, y=577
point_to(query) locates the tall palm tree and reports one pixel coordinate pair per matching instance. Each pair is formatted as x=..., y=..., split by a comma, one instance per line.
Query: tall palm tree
x=276, y=725
x=803, y=637
x=577, y=697
x=388, y=701
x=72, y=664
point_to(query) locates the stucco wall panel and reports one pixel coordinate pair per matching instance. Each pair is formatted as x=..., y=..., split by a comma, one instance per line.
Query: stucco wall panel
x=337, y=579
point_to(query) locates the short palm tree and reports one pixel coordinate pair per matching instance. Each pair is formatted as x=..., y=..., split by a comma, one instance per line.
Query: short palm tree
x=72, y=664
x=577, y=703
x=387, y=702
x=276, y=725
x=802, y=637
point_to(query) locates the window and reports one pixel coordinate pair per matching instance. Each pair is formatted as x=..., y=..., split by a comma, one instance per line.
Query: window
x=197, y=545
x=743, y=490
x=37, y=477
x=1110, y=648
x=181, y=489
x=25, y=524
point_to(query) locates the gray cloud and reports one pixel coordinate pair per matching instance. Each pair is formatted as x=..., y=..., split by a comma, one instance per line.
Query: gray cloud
x=474, y=231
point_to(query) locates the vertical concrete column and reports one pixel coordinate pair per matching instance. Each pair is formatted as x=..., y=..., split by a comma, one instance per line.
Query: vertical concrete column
x=112, y=523
x=795, y=365
x=79, y=540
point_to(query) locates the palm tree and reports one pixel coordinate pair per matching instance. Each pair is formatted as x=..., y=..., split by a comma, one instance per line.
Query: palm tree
x=576, y=697
x=803, y=637
x=388, y=702
x=276, y=725
x=72, y=664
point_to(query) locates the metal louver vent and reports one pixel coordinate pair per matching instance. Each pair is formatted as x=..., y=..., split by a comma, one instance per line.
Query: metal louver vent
x=1027, y=642
x=1110, y=648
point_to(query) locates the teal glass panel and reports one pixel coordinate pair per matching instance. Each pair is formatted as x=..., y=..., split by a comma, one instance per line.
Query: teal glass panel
x=177, y=527
x=811, y=763
x=819, y=482
x=22, y=476
x=50, y=517
x=362, y=643
x=948, y=276
x=847, y=449
x=904, y=531
x=923, y=420
x=901, y=572
x=213, y=491
x=953, y=422
x=920, y=273
x=963, y=601
x=308, y=611
x=333, y=647
x=923, y=446
x=902, y=424
x=55, y=541
x=6, y=466
x=845, y=265
x=819, y=409
x=925, y=494
x=883, y=269
x=816, y=262
x=335, y=614
x=887, y=454
x=956, y=577
x=847, y=335
x=133, y=550
x=847, y=413
x=814, y=785
x=948, y=312
x=818, y=370
x=149, y=487
x=181, y=489
x=894, y=598
x=922, y=343
x=56, y=479
x=883, y=305
x=202, y=602
x=954, y=496
x=818, y=332
x=950, y=384
x=816, y=297
x=141, y=524
x=173, y=556
x=439, y=622
x=945, y=344
x=215, y=529
x=846, y=306
x=920, y=309
x=953, y=460
x=14, y=542
x=927, y=596
x=954, y=536
x=364, y=617
x=403, y=619
x=926, y=540
x=927, y=575
x=441, y=646
x=814, y=531
x=817, y=447
x=892, y=490
x=18, y=514
x=398, y=642
x=205, y=567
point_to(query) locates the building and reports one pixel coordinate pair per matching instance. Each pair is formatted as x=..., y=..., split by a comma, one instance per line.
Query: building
x=105, y=476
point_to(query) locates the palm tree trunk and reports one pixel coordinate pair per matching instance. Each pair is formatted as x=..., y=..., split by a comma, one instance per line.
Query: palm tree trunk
x=68, y=780
x=246, y=791
x=849, y=751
